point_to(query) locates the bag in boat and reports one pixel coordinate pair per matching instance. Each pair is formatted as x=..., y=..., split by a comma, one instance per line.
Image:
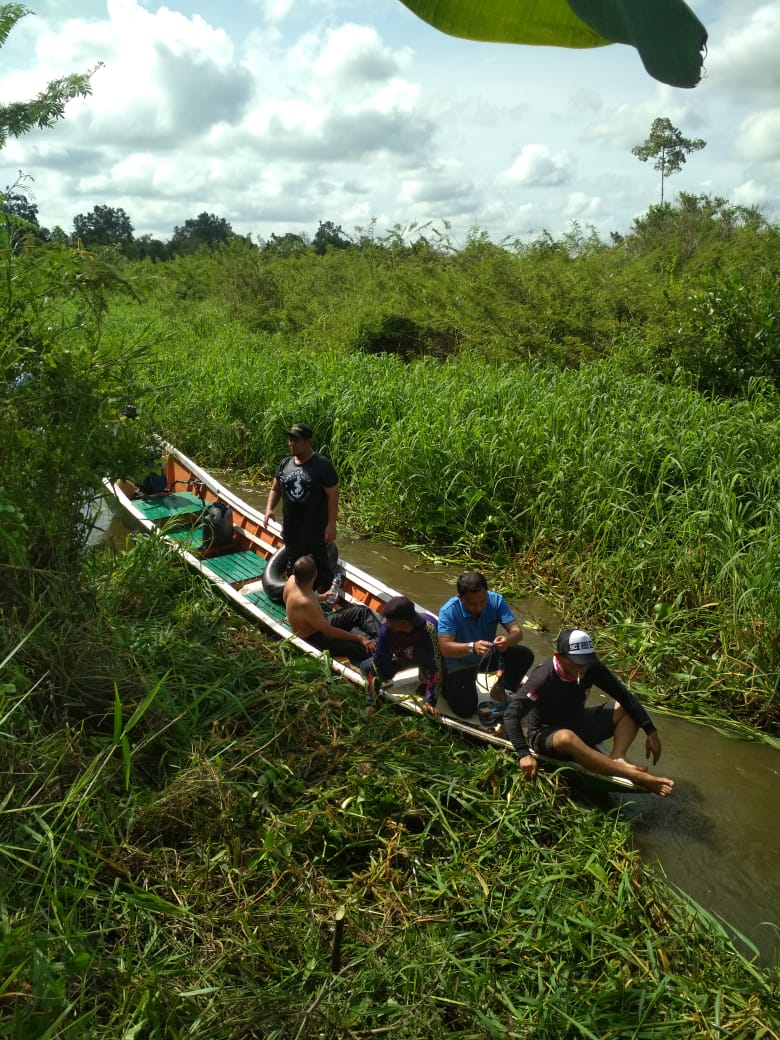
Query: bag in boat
x=154, y=483
x=217, y=525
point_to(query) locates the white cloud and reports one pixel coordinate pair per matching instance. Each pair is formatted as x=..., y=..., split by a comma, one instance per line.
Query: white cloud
x=759, y=136
x=743, y=53
x=750, y=193
x=625, y=125
x=444, y=186
x=354, y=55
x=276, y=114
x=581, y=207
x=537, y=166
x=275, y=10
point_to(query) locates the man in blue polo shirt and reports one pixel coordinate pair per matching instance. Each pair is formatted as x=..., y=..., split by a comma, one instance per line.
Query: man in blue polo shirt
x=468, y=624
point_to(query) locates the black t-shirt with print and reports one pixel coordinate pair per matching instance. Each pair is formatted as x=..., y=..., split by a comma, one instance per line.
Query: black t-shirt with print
x=304, y=502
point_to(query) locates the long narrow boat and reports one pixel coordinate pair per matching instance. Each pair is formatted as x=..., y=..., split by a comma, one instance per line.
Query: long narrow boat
x=240, y=567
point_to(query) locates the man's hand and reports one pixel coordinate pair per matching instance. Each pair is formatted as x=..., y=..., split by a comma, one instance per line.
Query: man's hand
x=529, y=765
x=368, y=645
x=653, y=746
x=330, y=534
x=500, y=643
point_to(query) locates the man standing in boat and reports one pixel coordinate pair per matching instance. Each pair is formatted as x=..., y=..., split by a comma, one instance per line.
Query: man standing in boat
x=468, y=624
x=308, y=486
x=559, y=725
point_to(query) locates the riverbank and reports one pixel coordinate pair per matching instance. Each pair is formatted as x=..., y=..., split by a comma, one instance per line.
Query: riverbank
x=174, y=864
x=715, y=839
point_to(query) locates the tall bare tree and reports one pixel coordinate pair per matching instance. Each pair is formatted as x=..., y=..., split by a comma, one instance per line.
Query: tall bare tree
x=668, y=147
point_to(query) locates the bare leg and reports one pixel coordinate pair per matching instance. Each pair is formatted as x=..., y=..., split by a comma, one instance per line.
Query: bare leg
x=566, y=742
x=625, y=731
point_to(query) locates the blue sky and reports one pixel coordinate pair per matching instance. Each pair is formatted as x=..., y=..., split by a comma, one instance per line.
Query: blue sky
x=278, y=114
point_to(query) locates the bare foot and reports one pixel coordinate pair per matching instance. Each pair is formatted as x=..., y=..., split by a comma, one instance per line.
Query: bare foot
x=661, y=785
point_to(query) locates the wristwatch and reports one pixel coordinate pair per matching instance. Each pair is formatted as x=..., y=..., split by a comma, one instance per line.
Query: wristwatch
x=471, y=648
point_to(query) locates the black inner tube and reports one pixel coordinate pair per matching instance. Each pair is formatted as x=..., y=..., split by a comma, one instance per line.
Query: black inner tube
x=275, y=575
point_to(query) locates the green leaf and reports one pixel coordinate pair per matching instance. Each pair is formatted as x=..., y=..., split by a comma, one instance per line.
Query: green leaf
x=117, y=715
x=126, y=760
x=668, y=35
x=546, y=22
x=144, y=706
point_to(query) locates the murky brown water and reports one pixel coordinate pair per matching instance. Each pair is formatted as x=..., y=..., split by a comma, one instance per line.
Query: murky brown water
x=716, y=838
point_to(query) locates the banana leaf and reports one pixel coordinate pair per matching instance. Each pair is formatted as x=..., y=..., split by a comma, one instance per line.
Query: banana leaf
x=669, y=37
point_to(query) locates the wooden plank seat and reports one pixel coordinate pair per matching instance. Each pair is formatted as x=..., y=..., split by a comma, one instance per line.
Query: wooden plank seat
x=190, y=537
x=260, y=599
x=178, y=503
x=236, y=567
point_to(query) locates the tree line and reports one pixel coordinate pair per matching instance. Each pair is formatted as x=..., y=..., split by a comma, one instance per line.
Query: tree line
x=111, y=226
x=106, y=225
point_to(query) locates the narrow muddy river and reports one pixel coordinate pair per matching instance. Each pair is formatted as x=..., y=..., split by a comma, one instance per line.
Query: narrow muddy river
x=716, y=838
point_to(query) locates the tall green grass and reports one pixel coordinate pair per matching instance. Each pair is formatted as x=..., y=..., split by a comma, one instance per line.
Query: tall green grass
x=638, y=505
x=173, y=865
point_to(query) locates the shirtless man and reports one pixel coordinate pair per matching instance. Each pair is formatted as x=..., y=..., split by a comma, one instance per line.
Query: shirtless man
x=334, y=634
x=559, y=725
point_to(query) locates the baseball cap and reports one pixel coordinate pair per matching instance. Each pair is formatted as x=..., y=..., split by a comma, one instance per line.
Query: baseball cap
x=301, y=430
x=399, y=608
x=576, y=644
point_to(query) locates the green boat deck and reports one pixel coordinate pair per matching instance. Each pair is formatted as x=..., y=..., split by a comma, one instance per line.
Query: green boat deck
x=178, y=503
x=273, y=610
x=237, y=566
x=234, y=568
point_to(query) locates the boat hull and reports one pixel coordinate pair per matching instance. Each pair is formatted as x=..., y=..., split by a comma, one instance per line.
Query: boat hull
x=236, y=571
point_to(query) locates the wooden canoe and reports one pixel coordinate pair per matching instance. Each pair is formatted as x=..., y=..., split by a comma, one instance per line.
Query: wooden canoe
x=236, y=571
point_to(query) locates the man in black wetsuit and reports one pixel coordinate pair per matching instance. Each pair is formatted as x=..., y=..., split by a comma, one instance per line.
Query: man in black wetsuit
x=558, y=724
x=308, y=486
